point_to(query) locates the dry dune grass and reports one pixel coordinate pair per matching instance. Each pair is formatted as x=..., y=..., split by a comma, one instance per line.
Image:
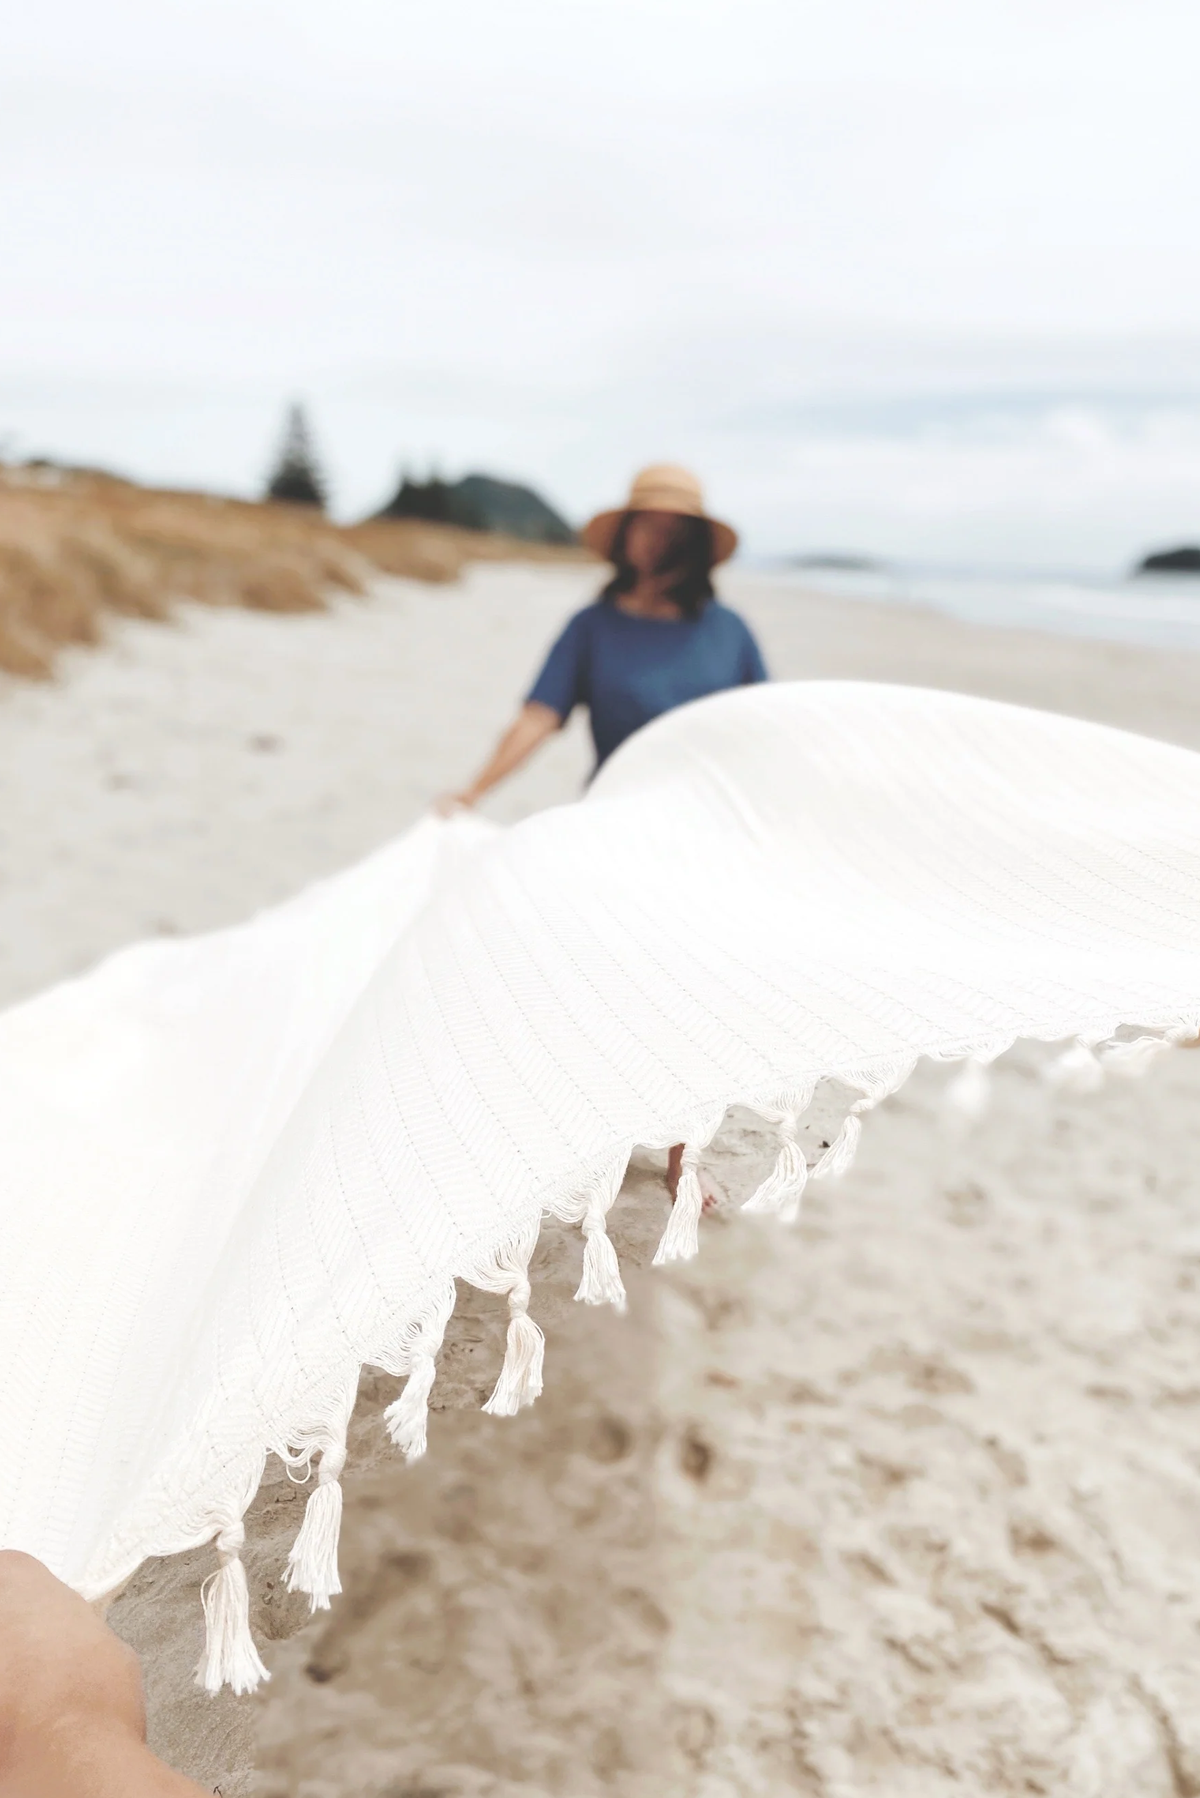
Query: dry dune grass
x=76, y=546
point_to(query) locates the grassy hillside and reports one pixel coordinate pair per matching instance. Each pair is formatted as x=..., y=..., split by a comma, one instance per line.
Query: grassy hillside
x=76, y=546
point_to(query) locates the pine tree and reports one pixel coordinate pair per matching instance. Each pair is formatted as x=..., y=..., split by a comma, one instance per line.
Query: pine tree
x=297, y=480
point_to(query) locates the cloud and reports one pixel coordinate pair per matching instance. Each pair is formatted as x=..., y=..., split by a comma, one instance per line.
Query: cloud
x=872, y=253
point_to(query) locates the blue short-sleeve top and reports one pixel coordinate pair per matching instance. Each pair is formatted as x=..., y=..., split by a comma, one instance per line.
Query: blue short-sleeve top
x=627, y=670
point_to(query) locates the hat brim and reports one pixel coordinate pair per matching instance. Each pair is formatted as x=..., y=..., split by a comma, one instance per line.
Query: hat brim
x=600, y=532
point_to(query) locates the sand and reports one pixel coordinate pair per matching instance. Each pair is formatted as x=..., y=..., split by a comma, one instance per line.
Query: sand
x=904, y=1501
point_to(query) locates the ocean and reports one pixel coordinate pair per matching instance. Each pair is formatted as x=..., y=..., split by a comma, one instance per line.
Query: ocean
x=1160, y=611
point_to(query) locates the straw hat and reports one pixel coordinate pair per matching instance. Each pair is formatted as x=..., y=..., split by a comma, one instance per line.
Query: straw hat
x=662, y=488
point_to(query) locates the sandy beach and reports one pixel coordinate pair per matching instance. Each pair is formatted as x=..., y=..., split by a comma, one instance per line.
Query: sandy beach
x=903, y=1501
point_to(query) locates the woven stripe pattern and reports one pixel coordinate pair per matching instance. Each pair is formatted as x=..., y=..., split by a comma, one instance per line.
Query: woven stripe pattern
x=238, y=1167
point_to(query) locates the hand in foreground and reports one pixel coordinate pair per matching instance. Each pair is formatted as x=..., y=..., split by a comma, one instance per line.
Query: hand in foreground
x=72, y=1722
x=531, y=726
x=446, y=804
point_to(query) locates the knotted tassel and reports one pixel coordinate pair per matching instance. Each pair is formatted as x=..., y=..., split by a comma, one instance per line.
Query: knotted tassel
x=875, y=1087
x=407, y=1418
x=783, y=1188
x=601, y=1282
x=842, y=1149
x=681, y=1238
x=312, y=1565
x=967, y=1096
x=1133, y=1058
x=520, y=1379
x=230, y=1657
x=1077, y=1069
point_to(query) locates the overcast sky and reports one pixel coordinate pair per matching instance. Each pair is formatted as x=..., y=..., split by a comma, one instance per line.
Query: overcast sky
x=910, y=276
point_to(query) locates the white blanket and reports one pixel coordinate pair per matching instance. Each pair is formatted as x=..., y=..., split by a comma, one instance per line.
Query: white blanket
x=237, y=1168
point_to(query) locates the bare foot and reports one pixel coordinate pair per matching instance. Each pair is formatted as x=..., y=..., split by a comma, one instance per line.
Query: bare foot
x=711, y=1195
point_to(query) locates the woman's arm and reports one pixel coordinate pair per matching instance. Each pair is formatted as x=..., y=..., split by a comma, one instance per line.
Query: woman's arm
x=72, y=1723
x=531, y=726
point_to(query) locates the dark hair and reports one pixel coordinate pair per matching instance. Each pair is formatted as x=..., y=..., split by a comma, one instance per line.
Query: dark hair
x=689, y=561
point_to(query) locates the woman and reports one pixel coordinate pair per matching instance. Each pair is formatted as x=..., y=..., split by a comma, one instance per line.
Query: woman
x=655, y=638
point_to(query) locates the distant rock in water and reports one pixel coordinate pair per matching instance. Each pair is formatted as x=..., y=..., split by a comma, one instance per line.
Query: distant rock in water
x=838, y=562
x=1185, y=560
x=479, y=502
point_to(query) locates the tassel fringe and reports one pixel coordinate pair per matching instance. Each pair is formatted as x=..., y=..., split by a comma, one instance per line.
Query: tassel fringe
x=1131, y=1059
x=407, y=1418
x=312, y=1565
x=520, y=1379
x=1082, y=1067
x=783, y=1188
x=842, y=1149
x=601, y=1282
x=1077, y=1069
x=681, y=1238
x=969, y=1093
x=230, y=1657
